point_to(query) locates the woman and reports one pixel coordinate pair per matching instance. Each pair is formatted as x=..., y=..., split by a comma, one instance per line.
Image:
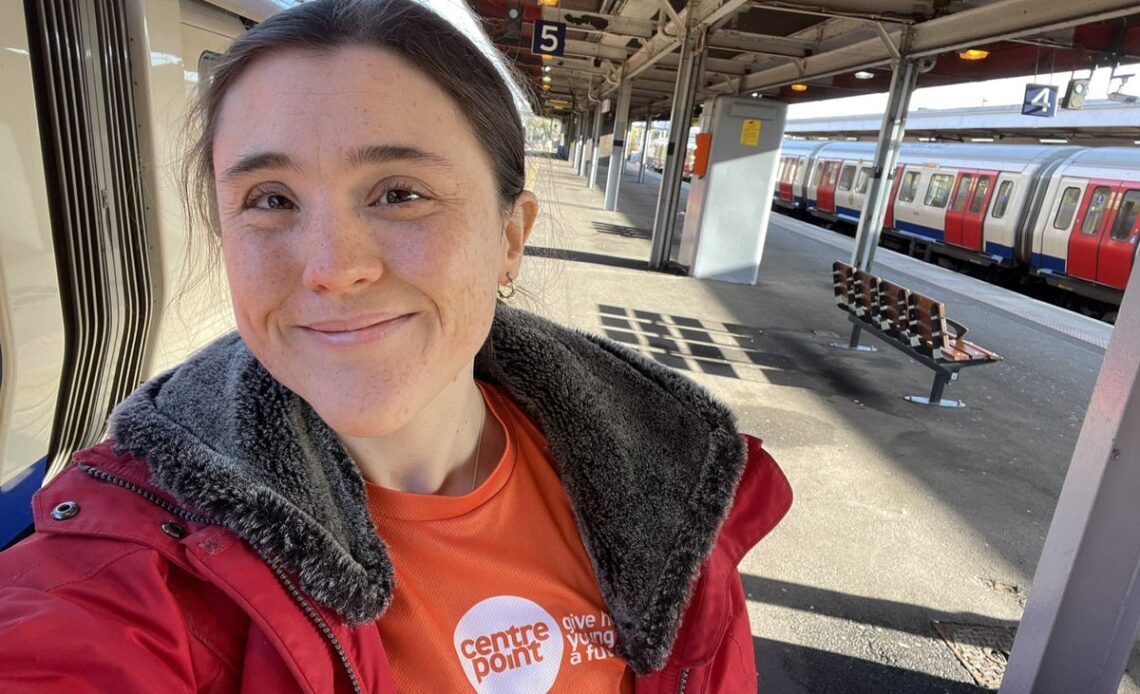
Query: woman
x=386, y=480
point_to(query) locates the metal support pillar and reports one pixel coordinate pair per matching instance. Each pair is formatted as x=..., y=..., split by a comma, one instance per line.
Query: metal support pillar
x=595, y=146
x=617, y=154
x=669, y=193
x=572, y=140
x=883, y=169
x=1081, y=620
x=644, y=149
x=584, y=164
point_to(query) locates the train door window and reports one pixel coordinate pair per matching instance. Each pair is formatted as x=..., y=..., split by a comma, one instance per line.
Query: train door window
x=1068, y=207
x=1001, y=201
x=863, y=179
x=847, y=177
x=938, y=192
x=980, y=191
x=963, y=191
x=815, y=174
x=800, y=169
x=1126, y=216
x=909, y=186
x=1095, y=213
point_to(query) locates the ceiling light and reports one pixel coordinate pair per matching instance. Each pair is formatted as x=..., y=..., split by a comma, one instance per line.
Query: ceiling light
x=551, y=3
x=1054, y=141
x=546, y=79
x=981, y=139
x=973, y=54
x=864, y=75
x=546, y=87
x=546, y=57
x=546, y=68
x=799, y=87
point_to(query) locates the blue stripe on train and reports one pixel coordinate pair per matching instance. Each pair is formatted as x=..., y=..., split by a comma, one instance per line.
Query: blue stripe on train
x=16, y=501
x=919, y=230
x=849, y=214
x=1048, y=262
x=798, y=200
x=1003, y=252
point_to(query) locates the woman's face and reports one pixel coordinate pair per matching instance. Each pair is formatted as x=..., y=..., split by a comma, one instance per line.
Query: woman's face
x=361, y=232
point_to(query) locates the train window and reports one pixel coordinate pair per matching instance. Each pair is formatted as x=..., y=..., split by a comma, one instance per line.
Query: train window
x=1095, y=213
x=938, y=192
x=980, y=191
x=909, y=186
x=800, y=169
x=1002, y=200
x=815, y=174
x=1126, y=216
x=863, y=179
x=1069, y=200
x=847, y=176
x=963, y=191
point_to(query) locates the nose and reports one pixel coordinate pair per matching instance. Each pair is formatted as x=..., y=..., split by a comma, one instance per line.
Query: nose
x=342, y=252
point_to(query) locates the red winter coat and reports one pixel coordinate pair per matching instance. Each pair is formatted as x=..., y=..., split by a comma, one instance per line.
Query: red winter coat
x=123, y=588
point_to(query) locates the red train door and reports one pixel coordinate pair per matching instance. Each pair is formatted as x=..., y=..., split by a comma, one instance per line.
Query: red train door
x=1088, y=228
x=787, y=172
x=825, y=196
x=889, y=220
x=975, y=213
x=956, y=210
x=1118, y=241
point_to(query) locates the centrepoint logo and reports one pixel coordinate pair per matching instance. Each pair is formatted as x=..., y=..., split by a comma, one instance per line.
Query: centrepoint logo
x=509, y=644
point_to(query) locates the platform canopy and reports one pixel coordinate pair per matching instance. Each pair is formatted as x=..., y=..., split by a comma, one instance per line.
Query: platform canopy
x=826, y=48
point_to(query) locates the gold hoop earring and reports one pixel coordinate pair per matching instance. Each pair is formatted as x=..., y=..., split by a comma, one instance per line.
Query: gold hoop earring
x=508, y=290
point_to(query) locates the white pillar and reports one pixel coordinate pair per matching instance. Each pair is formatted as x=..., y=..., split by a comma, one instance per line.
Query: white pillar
x=617, y=155
x=1081, y=620
x=587, y=143
x=644, y=149
x=595, y=146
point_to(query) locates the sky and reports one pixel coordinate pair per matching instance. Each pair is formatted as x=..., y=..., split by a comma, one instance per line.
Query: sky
x=991, y=93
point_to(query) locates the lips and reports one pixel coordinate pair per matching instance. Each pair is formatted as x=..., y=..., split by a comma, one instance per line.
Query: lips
x=356, y=329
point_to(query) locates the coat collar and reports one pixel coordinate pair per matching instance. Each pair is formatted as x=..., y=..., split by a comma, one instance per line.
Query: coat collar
x=648, y=459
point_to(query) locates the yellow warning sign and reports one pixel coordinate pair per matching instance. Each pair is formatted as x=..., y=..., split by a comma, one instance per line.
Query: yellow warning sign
x=750, y=132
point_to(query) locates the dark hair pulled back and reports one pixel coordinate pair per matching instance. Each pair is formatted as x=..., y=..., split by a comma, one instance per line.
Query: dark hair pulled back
x=414, y=32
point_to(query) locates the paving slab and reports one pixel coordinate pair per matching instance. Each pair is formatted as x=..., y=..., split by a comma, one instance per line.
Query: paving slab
x=905, y=516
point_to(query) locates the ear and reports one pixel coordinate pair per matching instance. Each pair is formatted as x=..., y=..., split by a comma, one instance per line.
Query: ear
x=519, y=224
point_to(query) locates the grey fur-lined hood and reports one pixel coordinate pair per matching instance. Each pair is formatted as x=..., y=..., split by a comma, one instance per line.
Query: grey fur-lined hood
x=649, y=461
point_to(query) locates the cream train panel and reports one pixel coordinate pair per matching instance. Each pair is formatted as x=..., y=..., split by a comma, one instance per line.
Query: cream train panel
x=31, y=319
x=170, y=38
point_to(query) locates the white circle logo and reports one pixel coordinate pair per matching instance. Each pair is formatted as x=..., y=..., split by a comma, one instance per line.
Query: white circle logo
x=508, y=644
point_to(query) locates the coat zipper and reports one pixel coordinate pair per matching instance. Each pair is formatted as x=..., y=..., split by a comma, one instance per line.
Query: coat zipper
x=684, y=682
x=293, y=591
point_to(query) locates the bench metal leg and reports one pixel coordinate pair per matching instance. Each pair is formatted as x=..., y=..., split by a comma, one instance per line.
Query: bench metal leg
x=935, y=399
x=853, y=343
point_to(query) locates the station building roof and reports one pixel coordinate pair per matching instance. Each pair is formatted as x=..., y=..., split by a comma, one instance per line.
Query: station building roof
x=763, y=47
x=1098, y=123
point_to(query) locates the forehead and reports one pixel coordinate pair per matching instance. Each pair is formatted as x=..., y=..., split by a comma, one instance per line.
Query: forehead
x=306, y=102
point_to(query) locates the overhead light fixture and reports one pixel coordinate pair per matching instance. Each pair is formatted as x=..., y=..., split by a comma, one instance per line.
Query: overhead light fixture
x=799, y=87
x=546, y=87
x=546, y=57
x=549, y=3
x=1054, y=141
x=546, y=79
x=546, y=68
x=973, y=54
x=981, y=139
x=864, y=75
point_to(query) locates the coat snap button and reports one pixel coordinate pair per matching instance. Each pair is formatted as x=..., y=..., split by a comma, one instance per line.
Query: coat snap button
x=67, y=509
x=174, y=530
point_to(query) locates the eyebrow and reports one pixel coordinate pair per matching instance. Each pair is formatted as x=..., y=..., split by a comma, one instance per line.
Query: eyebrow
x=369, y=154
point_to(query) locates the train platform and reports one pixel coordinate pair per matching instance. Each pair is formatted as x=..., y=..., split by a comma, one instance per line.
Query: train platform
x=906, y=560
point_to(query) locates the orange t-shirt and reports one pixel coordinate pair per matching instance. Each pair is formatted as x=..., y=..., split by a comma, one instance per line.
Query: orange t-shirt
x=494, y=590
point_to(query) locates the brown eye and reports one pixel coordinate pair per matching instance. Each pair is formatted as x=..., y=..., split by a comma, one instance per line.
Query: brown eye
x=274, y=202
x=398, y=196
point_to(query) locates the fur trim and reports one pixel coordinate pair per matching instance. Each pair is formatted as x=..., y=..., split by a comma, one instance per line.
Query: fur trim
x=650, y=462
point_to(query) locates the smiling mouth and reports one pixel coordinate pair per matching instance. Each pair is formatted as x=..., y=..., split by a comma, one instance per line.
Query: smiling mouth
x=356, y=330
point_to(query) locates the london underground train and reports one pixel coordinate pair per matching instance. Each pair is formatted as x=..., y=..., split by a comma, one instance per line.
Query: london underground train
x=99, y=289
x=1065, y=214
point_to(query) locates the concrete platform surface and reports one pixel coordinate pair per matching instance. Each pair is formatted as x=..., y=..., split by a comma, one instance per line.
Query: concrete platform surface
x=904, y=515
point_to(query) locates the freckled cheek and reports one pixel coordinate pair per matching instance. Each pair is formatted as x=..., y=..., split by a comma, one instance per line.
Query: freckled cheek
x=258, y=276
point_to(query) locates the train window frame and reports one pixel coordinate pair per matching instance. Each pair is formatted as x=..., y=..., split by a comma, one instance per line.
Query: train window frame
x=908, y=189
x=862, y=180
x=1099, y=211
x=1122, y=232
x=938, y=190
x=1001, y=199
x=801, y=164
x=965, y=185
x=978, y=198
x=816, y=174
x=1070, y=208
x=846, y=177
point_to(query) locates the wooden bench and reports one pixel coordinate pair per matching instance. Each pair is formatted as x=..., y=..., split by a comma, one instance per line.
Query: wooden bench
x=910, y=322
